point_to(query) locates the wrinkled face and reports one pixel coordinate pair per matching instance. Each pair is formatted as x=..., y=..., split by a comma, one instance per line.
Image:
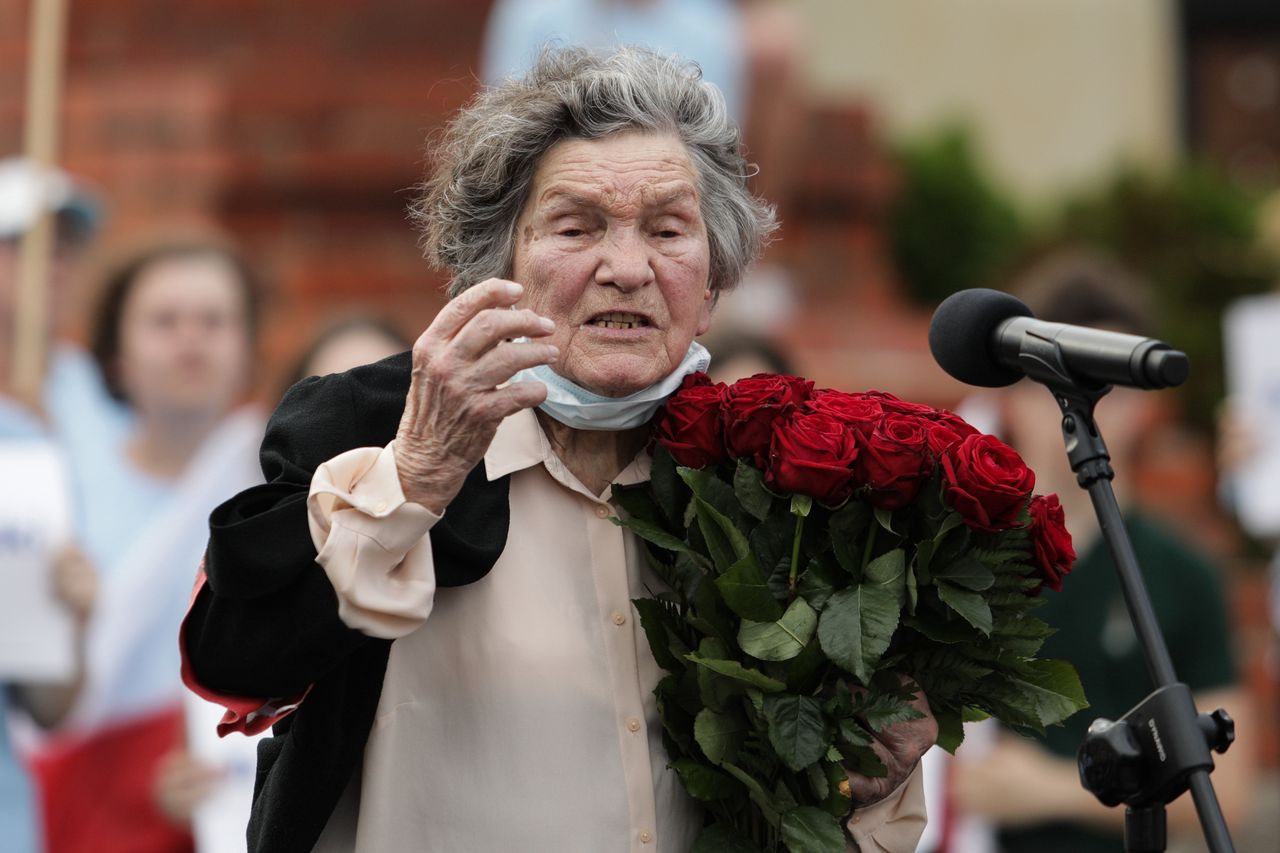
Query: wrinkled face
x=184, y=338
x=611, y=246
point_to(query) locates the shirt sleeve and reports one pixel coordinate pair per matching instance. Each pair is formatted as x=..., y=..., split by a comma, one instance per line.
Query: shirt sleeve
x=372, y=543
x=894, y=824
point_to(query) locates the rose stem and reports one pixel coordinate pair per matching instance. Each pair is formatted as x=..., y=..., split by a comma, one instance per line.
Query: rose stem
x=795, y=555
x=866, y=552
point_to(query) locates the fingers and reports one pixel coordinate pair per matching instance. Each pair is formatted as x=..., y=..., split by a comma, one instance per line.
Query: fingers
x=492, y=293
x=182, y=782
x=507, y=359
x=492, y=326
x=75, y=582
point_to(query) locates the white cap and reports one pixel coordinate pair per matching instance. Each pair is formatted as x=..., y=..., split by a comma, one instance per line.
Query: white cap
x=27, y=190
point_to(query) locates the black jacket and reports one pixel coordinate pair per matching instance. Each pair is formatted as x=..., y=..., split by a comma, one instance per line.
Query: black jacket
x=266, y=622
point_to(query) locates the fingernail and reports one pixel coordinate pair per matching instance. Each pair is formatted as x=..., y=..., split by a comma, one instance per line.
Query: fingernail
x=514, y=288
x=553, y=352
x=547, y=324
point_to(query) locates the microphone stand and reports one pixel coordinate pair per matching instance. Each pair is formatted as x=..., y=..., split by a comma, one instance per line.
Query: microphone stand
x=1161, y=747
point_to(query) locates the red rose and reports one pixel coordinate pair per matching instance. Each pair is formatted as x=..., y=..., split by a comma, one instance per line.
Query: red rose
x=945, y=429
x=752, y=405
x=890, y=403
x=857, y=410
x=987, y=482
x=812, y=454
x=689, y=425
x=1050, y=541
x=893, y=459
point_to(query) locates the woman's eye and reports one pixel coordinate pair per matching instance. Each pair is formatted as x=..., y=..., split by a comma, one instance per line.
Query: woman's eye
x=668, y=233
x=571, y=232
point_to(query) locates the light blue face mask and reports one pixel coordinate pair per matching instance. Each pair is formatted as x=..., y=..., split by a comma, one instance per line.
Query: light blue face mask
x=575, y=406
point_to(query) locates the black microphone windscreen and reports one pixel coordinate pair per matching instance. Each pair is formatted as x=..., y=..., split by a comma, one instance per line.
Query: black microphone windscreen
x=961, y=331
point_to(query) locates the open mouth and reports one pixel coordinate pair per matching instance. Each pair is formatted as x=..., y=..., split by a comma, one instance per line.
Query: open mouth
x=619, y=320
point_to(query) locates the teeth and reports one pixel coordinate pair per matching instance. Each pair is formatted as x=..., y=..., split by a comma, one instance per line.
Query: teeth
x=618, y=320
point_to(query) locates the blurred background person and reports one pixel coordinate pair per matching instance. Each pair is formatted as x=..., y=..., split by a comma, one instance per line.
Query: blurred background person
x=72, y=409
x=348, y=343
x=173, y=336
x=1029, y=788
x=736, y=355
x=73, y=406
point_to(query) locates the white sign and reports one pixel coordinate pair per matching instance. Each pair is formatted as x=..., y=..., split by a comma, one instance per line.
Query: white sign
x=1251, y=344
x=36, y=632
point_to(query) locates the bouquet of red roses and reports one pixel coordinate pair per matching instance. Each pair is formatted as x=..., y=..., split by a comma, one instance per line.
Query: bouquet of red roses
x=818, y=546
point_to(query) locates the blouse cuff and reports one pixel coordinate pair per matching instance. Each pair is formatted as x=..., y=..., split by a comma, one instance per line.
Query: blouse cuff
x=894, y=824
x=372, y=543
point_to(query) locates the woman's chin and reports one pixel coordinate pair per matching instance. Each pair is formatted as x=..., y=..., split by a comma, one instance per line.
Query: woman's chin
x=616, y=375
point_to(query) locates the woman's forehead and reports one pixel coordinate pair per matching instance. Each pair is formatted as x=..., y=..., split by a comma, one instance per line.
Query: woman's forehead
x=633, y=168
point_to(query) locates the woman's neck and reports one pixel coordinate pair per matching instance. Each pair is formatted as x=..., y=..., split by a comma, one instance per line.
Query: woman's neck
x=595, y=457
x=162, y=446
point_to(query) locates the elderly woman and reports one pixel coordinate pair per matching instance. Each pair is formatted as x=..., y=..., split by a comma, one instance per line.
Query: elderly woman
x=462, y=670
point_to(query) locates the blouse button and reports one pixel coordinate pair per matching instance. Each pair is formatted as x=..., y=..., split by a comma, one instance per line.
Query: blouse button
x=619, y=618
x=646, y=837
x=633, y=724
x=602, y=512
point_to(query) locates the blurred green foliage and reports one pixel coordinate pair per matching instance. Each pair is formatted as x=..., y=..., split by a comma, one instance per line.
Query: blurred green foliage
x=950, y=227
x=1192, y=234
x=1189, y=231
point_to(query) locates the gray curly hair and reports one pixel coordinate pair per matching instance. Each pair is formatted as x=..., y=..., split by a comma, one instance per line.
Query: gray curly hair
x=485, y=162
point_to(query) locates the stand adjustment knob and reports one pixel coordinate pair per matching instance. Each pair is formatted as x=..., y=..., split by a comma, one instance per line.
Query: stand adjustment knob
x=1219, y=730
x=1110, y=761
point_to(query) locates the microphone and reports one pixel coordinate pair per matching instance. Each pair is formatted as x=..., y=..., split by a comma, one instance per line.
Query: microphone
x=989, y=338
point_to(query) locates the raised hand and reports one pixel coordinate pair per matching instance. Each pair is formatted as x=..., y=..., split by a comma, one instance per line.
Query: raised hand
x=454, y=403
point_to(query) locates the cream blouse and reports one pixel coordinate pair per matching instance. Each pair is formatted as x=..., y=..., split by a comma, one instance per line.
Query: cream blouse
x=517, y=712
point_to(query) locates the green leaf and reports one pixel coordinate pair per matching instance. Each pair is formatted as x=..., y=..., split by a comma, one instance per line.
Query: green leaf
x=781, y=640
x=707, y=613
x=950, y=730
x=817, y=582
x=971, y=606
x=949, y=631
x=913, y=591
x=748, y=486
x=719, y=735
x=672, y=495
x=804, y=671
x=889, y=571
x=885, y=710
x=719, y=838
x=856, y=626
x=771, y=539
x=884, y=517
x=723, y=553
x=848, y=526
x=703, y=782
x=638, y=502
x=666, y=646
x=863, y=760
x=745, y=591
x=852, y=733
x=966, y=572
x=761, y=797
x=658, y=536
x=811, y=830
x=835, y=803
x=797, y=730
x=738, y=672
x=710, y=488
x=1054, y=690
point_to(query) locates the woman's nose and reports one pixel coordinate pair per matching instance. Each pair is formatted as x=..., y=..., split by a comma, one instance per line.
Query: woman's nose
x=625, y=262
